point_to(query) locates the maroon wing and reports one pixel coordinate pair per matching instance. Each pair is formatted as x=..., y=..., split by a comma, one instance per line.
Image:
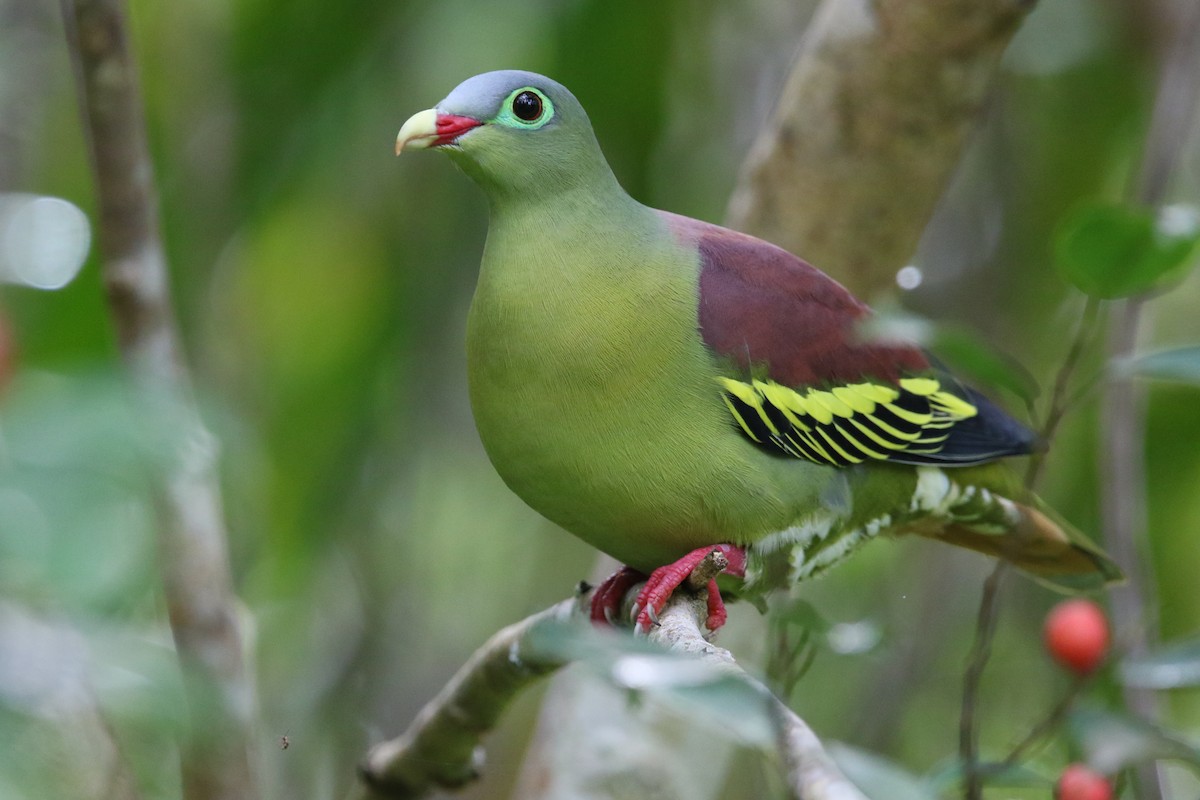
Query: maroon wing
x=779, y=320
x=762, y=306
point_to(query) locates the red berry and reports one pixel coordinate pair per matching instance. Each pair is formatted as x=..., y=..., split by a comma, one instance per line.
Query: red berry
x=1076, y=634
x=1078, y=782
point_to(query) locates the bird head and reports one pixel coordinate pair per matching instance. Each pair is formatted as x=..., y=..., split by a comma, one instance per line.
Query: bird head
x=515, y=133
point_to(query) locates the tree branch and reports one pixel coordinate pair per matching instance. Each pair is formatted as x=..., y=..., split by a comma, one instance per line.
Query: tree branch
x=197, y=585
x=871, y=124
x=442, y=746
x=809, y=770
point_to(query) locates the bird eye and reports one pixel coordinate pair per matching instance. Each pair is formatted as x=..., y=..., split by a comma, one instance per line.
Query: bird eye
x=527, y=106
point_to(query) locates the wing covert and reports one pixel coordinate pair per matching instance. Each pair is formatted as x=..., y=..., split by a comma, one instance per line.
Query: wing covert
x=801, y=382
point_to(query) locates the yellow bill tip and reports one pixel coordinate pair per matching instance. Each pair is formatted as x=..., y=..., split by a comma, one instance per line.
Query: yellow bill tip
x=418, y=132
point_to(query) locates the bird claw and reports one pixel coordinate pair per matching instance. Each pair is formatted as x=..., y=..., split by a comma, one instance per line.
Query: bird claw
x=645, y=618
x=609, y=595
x=661, y=584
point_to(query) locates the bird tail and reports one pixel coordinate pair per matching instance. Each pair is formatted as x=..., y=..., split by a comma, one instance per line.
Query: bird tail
x=987, y=510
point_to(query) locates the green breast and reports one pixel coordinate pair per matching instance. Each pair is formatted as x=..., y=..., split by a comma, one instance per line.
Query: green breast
x=595, y=398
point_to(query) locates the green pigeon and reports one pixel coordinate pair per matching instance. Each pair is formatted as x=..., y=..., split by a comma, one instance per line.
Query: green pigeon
x=662, y=387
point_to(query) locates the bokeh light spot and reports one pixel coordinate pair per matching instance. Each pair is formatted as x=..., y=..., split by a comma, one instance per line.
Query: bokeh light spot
x=43, y=240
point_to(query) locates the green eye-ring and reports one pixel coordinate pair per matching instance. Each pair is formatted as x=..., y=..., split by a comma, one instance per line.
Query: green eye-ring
x=526, y=108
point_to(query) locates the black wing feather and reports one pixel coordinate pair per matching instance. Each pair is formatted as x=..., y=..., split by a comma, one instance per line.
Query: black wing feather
x=987, y=436
x=916, y=427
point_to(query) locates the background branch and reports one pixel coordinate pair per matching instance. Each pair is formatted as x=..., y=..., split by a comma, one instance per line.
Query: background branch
x=192, y=540
x=1122, y=432
x=26, y=37
x=872, y=122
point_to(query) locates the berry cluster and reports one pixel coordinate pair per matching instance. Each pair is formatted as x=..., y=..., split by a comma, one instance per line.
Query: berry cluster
x=1076, y=636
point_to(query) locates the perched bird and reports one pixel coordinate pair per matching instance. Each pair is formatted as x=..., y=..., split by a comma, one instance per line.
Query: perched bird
x=661, y=386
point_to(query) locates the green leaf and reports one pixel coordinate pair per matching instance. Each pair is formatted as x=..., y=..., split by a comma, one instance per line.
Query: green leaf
x=1181, y=365
x=1172, y=666
x=877, y=777
x=697, y=690
x=1111, y=251
x=1112, y=742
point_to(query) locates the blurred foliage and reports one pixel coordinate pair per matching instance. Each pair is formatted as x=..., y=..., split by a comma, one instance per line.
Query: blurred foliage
x=1180, y=365
x=1173, y=665
x=1113, y=741
x=702, y=692
x=1111, y=251
x=877, y=777
x=322, y=287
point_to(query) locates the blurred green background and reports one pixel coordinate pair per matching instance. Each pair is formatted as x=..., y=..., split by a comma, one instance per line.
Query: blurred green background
x=322, y=287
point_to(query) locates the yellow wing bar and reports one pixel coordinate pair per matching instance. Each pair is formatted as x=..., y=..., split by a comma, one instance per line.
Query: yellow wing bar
x=847, y=424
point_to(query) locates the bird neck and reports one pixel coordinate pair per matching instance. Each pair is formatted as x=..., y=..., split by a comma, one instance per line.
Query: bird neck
x=572, y=205
x=569, y=170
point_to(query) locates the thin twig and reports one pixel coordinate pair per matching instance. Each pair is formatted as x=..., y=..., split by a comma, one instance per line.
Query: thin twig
x=968, y=736
x=1057, y=408
x=197, y=585
x=1060, y=401
x=1047, y=725
x=981, y=651
x=789, y=661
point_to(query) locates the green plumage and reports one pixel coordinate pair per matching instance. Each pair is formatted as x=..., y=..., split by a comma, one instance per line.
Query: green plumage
x=601, y=370
x=594, y=396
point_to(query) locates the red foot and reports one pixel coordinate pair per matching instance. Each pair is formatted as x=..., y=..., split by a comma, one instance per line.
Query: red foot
x=665, y=580
x=606, y=602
